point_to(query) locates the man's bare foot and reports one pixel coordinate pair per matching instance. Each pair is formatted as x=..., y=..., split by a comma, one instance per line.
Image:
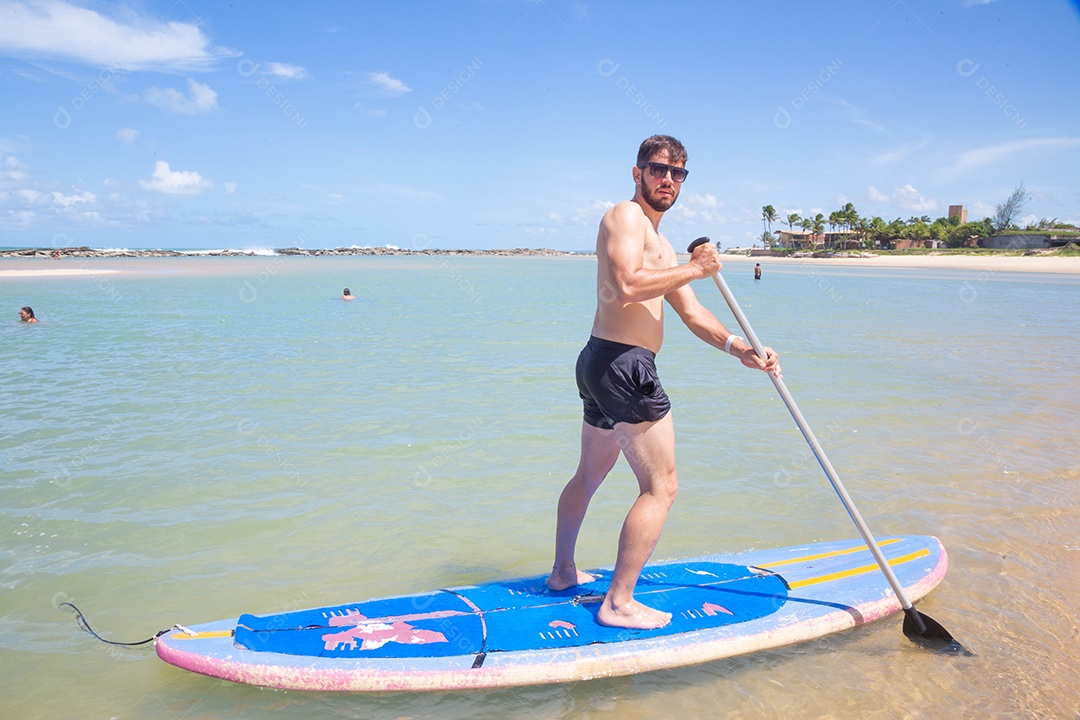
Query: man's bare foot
x=567, y=577
x=631, y=615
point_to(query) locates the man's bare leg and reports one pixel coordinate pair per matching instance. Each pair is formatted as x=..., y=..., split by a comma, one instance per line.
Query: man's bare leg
x=650, y=450
x=599, y=451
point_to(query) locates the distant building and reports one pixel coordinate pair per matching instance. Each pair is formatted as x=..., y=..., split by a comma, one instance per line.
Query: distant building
x=842, y=239
x=799, y=240
x=958, y=211
x=802, y=240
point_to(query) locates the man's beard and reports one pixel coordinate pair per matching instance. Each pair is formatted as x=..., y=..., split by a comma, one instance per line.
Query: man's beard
x=656, y=203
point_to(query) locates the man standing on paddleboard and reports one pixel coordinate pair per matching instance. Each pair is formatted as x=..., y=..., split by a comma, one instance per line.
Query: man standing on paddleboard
x=626, y=409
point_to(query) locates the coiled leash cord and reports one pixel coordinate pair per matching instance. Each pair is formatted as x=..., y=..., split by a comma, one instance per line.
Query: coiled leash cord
x=81, y=621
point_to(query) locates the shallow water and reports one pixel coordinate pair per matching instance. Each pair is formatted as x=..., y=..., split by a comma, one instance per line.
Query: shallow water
x=195, y=438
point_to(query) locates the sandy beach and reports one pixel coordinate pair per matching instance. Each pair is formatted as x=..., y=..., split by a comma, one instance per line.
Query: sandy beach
x=51, y=272
x=36, y=268
x=982, y=263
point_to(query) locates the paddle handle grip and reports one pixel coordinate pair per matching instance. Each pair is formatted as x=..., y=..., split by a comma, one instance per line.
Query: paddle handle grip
x=811, y=439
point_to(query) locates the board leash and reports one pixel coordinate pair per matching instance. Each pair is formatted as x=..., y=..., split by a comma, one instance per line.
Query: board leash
x=83, y=623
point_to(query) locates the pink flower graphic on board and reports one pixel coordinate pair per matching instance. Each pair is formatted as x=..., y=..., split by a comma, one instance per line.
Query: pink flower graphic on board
x=712, y=609
x=374, y=634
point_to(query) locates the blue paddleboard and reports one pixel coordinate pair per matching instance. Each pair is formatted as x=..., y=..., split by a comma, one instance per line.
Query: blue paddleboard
x=518, y=632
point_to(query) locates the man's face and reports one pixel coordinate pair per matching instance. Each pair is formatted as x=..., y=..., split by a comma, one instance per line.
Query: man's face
x=660, y=193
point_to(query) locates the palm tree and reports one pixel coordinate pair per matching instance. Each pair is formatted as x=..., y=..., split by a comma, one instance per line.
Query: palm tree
x=768, y=217
x=819, y=224
x=862, y=228
x=851, y=217
x=792, y=219
x=834, y=220
x=879, y=230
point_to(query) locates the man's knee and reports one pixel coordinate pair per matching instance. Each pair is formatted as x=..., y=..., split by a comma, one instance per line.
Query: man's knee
x=667, y=491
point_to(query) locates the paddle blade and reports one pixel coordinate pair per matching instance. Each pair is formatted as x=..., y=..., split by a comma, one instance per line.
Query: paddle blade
x=926, y=632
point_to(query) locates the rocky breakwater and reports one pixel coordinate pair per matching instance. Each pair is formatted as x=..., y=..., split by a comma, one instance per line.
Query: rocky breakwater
x=315, y=252
x=86, y=252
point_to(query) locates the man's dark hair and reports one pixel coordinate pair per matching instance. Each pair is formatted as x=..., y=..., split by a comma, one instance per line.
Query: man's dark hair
x=675, y=151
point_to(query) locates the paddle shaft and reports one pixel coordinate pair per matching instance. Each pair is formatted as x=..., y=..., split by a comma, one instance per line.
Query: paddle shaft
x=815, y=446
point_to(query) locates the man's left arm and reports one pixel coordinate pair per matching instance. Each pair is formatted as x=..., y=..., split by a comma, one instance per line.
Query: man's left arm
x=708, y=327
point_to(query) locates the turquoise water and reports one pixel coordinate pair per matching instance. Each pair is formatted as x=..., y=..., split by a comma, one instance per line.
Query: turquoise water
x=190, y=439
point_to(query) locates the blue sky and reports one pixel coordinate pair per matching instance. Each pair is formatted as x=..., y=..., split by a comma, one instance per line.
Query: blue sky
x=515, y=123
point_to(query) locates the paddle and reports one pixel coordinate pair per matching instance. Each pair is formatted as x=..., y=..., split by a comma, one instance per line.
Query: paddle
x=919, y=628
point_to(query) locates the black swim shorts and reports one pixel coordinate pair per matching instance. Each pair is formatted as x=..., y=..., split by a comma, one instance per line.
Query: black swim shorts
x=618, y=383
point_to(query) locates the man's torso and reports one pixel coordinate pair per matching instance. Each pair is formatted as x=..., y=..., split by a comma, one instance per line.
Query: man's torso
x=634, y=323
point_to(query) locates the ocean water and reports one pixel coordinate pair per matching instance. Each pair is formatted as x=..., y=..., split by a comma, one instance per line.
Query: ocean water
x=194, y=438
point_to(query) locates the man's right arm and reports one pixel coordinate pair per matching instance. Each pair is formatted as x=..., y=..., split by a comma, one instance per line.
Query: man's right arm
x=622, y=233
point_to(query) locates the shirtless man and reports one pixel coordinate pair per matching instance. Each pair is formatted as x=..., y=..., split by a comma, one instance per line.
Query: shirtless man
x=626, y=409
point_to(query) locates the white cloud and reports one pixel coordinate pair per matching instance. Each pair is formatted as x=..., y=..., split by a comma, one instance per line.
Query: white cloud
x=13, y=171
x=67, y=202
x=286, y=71
x=697, y=208
x=178, y=182
x=20, y=218
x=909, y=199
x=386, y=84
x=60, y=30
x=374, y=112
x=589, y=213
x=230, y=188
x=201, y=100
x=388, y=189
x=858, y=115
x=876, y=195
x=127, y=135
x=981, y=157
x=890, y=157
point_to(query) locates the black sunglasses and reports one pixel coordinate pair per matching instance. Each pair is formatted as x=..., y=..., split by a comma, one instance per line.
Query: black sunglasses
x=659, y=170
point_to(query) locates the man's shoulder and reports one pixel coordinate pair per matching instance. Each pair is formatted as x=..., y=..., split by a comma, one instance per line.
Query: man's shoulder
x=625, y=215
x=627, y=208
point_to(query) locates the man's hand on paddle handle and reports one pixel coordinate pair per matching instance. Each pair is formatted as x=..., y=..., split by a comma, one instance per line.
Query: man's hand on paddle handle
x=771, y=364
x=706, y=259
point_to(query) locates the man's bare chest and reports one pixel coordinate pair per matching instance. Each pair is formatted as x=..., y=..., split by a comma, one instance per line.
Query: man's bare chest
x=658, y=253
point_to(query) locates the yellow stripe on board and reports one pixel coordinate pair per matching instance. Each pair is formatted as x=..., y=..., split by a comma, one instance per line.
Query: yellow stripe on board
x=181, y=635
x=857, y=571
x=834, y=553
